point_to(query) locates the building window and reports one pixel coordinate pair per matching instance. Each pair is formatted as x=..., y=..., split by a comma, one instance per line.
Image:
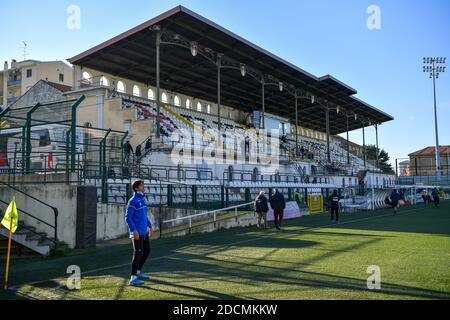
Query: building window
x=188, y=104
x=151, y=94
x=164, y=97
x=121, y=87
x=29, y=73
x=136, y=91
x=61, y=77
x=208, y=108
x=199, y=106
x=104, y=81
x=176, y=101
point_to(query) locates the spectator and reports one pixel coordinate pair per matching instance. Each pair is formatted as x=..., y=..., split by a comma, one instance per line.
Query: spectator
x=334, y=205
x=148, y=145
x=278, y=205
x=247, y=146
x=425, y=198
x=435, y=194
x=261, y=208
x=111, y=173
x=138, y=153
x=128, y=149
x=395, y=198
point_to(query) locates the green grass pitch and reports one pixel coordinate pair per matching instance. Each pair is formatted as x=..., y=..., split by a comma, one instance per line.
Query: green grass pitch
x=310, y=259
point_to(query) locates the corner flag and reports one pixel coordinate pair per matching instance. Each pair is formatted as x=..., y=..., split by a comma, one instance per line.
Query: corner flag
x=11, y=219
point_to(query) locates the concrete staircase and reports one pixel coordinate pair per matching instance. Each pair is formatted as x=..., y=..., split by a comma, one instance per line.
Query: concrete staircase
x=27, y=237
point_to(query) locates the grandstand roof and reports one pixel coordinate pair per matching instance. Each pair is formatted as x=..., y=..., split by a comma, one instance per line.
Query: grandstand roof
x=131, y=55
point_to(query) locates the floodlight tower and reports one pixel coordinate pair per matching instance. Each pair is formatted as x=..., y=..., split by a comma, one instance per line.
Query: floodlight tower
x=434, y=66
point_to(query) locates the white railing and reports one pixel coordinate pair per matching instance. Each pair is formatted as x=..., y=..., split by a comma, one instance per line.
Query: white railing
x=214, y=212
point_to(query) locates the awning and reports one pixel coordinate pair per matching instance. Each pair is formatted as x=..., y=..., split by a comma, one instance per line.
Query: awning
x=132, y=55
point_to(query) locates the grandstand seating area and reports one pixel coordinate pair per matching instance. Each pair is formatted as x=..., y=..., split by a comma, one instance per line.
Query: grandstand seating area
x=205, y=125
x=157, y=192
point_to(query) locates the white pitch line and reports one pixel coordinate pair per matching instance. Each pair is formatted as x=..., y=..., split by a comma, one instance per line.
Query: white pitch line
x=230, y=244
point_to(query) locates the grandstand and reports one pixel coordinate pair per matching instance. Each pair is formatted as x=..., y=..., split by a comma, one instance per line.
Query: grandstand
x=217, y=119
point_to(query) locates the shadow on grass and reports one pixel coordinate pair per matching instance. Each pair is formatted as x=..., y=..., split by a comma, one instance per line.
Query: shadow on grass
x=194, y=273
x=198, y=270
x=254, y=271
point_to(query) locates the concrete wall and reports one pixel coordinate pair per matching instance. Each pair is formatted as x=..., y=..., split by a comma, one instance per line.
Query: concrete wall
x=62, y=196
x=111, y=219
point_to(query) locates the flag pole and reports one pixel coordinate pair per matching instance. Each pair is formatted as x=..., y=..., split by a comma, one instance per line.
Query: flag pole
x=8, y=255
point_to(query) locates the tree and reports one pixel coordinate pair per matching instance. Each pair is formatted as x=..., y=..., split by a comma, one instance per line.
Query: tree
x=383, y=158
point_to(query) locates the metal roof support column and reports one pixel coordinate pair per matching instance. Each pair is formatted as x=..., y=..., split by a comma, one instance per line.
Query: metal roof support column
x=364, y=144
x=73, y=132
x=262, y=121
x=348, y=142
x=27, y=145
x=219, y=125
x=377, y=152
x=327, y=122
x=296, y=125
x=158, y=89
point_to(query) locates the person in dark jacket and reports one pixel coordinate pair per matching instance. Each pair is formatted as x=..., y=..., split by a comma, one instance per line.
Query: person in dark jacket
x=138, y=153
x=148, y=145
x=128, y=150
x=435, y=194
x=261, y=208
x=395, y=198
x=111, y=173
x=140, y=228
x=334, y=205
x=278, y=205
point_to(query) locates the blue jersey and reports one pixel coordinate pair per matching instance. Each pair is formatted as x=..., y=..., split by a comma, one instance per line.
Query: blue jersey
x=136, y=216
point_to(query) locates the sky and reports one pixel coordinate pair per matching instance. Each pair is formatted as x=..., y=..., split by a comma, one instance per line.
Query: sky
x=322, y=37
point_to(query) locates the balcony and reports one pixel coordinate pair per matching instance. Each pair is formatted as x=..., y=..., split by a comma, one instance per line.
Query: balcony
x=14, y=83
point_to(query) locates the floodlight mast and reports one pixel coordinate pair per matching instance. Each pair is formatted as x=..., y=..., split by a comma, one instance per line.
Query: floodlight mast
x=430, y=66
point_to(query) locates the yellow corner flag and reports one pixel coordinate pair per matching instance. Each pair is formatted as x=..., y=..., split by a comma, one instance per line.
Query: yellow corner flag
x=11, y=219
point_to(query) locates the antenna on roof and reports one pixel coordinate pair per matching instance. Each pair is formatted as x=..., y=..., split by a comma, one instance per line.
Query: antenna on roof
x=24, y=54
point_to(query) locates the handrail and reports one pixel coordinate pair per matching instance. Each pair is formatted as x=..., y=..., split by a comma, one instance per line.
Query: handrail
x=31, y=230
x=54, y=209
x=29, y=214
x=209, y=212
x=215, y=219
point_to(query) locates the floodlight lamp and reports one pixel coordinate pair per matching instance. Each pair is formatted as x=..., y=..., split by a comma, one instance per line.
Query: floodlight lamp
x=243, y=69
x=194, y=48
